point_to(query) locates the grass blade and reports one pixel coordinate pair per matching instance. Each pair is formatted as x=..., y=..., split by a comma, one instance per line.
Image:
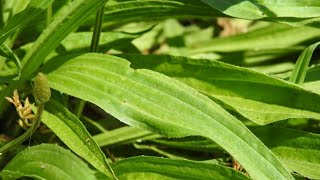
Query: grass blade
x=300, y=70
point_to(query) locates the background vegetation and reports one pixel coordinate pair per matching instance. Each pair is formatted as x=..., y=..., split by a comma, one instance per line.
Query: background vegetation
x=159, y=89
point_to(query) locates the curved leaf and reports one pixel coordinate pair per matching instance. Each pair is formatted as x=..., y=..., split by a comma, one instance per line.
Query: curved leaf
x=151, y=100
x=300, y=70
x=256, y=96
x=252, y=9
x=161, y=168
x=72, y=132
x=49, y=162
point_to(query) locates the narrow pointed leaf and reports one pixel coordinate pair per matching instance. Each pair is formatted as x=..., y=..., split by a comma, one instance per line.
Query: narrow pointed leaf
x=73, y=133
x=147, y=99
x=300, y=70
x=256, y=96
x=49, y=162
x=160, y=168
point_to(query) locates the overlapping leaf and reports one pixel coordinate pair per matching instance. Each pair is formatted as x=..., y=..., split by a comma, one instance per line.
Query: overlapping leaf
x=160, y=168
x=67, y=20
x=150, y=100
x=72, y=132
x=258, y=97
x=120, y=12
x=47, y=161
x=300, y=70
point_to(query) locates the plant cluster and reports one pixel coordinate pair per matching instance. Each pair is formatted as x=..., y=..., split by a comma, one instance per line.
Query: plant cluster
x=159, y=89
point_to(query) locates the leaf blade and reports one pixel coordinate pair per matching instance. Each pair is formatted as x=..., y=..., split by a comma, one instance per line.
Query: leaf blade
x=47, y=161
x=160, y=168
x=73, y=133
x=156, y=102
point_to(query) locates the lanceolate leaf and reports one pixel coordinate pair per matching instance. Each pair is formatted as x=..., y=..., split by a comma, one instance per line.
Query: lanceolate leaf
x=300, y=70
x=72, y=132
x=147, y=99
x=47, y=161
x=160, y=168
x=256, y=96
x=252, y=9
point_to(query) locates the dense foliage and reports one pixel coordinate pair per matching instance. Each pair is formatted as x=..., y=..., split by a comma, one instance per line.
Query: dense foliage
x=159, y=89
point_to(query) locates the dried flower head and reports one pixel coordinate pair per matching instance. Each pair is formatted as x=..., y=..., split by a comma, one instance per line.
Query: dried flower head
x=24, y=110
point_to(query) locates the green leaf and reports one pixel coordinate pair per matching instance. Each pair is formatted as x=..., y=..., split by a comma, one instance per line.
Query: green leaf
x=33, y=10
x=121, y=12
x=271, y=37
x=252, y=9
x=150, y=100
x=160, y=168
x=300, y=70
x=65, y=21
x=49, y=162
x=298, y=150
x=256, y=96
x=123, y=135
x=72, y=132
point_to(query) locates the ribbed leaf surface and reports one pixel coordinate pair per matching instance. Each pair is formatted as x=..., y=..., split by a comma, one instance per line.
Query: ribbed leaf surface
x=160, y=168
x=256, y=96
x=151, y=100
x=47, y=161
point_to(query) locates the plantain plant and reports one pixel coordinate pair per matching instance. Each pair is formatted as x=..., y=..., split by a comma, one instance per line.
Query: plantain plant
x=159, y=89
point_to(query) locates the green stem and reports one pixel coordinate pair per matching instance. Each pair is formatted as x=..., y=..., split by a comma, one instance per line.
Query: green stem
x=49, y=14
x=1, y=15
x=80, y=107
x=93, y=48
x=26, y=134
x=97, y=30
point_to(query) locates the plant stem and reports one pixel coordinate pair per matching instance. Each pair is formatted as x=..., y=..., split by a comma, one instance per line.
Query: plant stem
x=49, y=14
x=1, y=15
x=97, y=30
x=93, y=48
x=26, y=134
